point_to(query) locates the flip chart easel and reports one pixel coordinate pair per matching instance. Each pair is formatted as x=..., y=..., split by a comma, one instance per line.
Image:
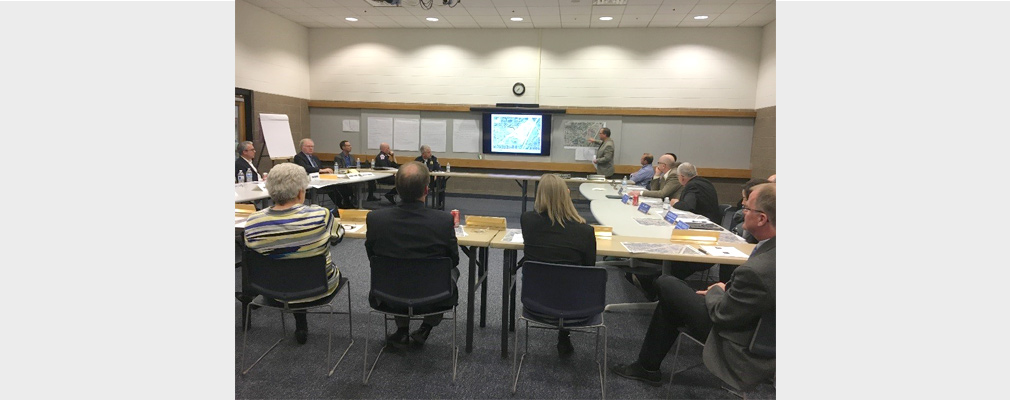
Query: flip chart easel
x=277, y=136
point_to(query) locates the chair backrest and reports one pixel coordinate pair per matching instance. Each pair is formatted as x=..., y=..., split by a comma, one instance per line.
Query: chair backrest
x=727, y=216
x=286, y=279
x=411, y=282
x=762, y=344
x=564, y=291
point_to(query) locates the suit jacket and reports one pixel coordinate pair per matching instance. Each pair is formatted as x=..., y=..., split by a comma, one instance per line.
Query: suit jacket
x=573, y=244
x=242, y=165
x=664, y=187
x=605, y=158
x=303, y=160
x=411, y=231
x=735, y=312
x=699, y=197
x=339, y=161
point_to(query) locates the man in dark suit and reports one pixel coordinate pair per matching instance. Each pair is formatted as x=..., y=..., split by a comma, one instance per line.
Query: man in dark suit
x=244, y=162
x=412, y=231
x=698, y=195
x=311, y=163
x=724, y=316
x=431, y=162
x=344, y=160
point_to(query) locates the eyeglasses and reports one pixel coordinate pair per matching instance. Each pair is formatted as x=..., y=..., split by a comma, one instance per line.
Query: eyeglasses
x=746, y=209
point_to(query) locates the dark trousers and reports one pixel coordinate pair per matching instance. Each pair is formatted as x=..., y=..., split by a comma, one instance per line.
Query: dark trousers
x=679, y=306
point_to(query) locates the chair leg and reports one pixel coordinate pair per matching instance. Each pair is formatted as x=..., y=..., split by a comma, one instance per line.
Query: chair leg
x=517, y=370
x=248, y=314
x=366, y=372
x=676, y=356
x=455, y=348
x=336, y=319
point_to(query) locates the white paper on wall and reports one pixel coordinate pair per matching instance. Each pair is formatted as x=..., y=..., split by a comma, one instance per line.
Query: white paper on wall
x=352, y=125
x=585, y=153
x=380, y=130
x=433, y=134
x=405, y=134
x=465, y=136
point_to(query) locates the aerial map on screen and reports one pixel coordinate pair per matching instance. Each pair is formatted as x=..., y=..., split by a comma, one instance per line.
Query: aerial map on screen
x=516, y=133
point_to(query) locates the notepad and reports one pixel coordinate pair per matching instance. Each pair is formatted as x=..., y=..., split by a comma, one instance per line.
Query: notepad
x=722, y=251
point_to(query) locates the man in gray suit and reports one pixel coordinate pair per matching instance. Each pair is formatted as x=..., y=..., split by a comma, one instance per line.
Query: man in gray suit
x=724, y=316
x=604, y=154
x=665, y=183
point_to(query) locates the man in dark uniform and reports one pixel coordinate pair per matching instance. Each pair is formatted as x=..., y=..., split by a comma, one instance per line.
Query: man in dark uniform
x=431, y=162
x=385, y=159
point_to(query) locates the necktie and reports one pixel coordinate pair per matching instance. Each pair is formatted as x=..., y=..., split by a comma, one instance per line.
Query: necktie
x=312, y=163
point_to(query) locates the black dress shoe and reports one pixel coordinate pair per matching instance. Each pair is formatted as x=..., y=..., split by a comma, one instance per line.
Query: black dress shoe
x=301, y=335
x=391, y=197
x=565, y=348
x=399, y=339
x=637, y=372
x=421, y=334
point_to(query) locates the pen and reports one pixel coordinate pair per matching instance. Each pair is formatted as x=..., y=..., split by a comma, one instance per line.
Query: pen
x=703, y=251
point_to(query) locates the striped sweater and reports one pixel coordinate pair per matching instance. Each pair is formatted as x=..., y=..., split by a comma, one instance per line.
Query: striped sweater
x=299, y=232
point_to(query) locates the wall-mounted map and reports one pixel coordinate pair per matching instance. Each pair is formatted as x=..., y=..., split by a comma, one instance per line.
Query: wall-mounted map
x=578, y=133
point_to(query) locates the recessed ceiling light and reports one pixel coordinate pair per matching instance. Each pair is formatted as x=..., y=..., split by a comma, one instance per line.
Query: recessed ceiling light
x=606, y=18
x=701, y=17
x=432, y=19
x=352, y=19
x=517, y=19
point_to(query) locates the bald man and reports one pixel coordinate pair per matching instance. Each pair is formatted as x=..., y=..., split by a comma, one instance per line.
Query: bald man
x=385, y=159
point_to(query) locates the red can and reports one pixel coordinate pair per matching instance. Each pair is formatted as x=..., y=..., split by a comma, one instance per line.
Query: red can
x=455, y=217
x=634, y=199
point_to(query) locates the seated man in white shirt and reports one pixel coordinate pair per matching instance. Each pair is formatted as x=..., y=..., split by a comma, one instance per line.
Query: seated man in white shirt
x=643, y=176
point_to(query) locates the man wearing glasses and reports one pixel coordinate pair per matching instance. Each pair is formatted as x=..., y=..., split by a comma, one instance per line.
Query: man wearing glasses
x=725, y=316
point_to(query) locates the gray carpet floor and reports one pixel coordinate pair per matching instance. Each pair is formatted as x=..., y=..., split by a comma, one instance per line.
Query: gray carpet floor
x=299, y=371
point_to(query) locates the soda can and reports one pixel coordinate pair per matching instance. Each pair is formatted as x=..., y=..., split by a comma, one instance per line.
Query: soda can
x=455, y=217
x=634, y=199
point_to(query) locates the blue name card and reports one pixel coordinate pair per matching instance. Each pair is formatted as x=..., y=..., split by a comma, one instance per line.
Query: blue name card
x=625, y=198
x=670, y=217
x=643, y=207
x=681, y=225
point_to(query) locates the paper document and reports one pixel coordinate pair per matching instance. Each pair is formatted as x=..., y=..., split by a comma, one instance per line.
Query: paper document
x=723, y=251
x=652, y=222
x=729, y=237
x=350, y=228
x=513, y=236
x=659, y=248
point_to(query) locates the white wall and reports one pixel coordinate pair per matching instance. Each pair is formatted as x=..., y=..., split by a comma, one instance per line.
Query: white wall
x=271, y=53
x=766, y=73
x=662, y=68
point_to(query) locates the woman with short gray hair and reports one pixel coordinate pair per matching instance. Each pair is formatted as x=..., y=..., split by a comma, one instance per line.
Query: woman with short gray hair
x=291, y=229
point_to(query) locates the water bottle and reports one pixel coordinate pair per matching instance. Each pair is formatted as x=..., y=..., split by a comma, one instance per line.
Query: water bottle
x=239, y=177
x=624, y=184
x=357, y=163
x=666, y=203
x=248, y=175
x=447, y=167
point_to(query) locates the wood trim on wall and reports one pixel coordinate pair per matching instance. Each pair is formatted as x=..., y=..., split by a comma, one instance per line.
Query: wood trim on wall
x=619, y=111
x=547, y=166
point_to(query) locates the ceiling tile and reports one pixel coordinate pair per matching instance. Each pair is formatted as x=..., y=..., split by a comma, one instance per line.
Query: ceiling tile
x=545, y=11
x=489, y=21
x=482, y=11
x=461, y=21
x=576, y=10
x=574, y=21
x=709, y=8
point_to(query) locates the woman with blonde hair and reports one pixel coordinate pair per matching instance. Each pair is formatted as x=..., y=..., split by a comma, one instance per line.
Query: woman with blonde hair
x=555, y=233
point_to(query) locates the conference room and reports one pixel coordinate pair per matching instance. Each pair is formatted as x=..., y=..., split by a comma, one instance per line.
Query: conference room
x=657, y=78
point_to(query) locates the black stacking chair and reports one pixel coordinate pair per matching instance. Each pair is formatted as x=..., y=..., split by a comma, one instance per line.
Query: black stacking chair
x=558, y=296
x=411, y=288
x=762, y=345
x=279, y=281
